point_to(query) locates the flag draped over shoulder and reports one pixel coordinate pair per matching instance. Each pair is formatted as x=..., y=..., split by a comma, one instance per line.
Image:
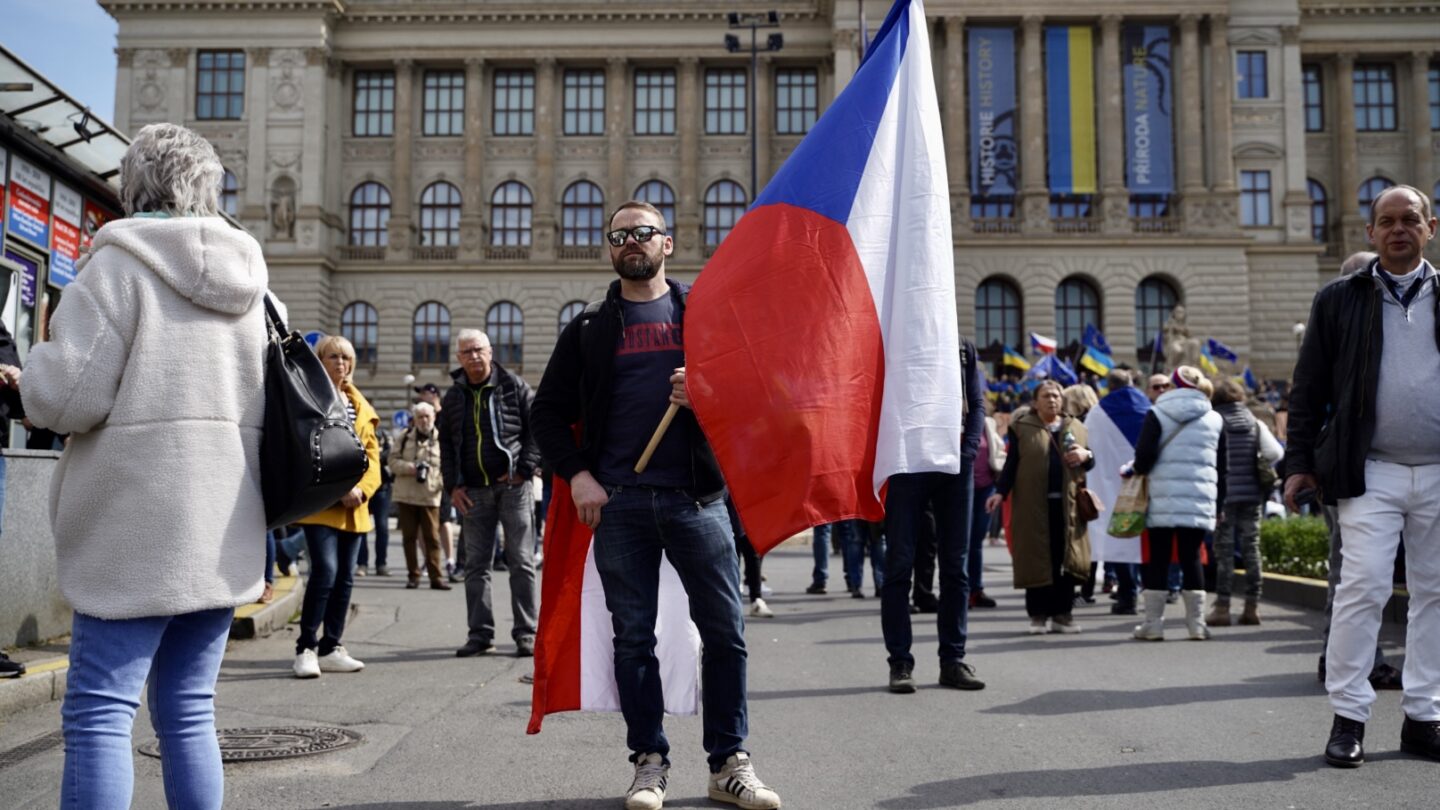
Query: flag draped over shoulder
x=1114, y=427
x=821, y=344
x=574, y=648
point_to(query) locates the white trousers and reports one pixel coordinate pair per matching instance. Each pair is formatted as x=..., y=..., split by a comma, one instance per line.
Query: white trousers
x=1398, y=500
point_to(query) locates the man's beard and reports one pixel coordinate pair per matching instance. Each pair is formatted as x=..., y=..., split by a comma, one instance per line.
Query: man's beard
x=636, y=267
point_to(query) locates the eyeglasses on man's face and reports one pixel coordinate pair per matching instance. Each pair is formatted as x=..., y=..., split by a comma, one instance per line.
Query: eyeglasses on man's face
x=1160, y=387
x=474, y=351
x=642, y=234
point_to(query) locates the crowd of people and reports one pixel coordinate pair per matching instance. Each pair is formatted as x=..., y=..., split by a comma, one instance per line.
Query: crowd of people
x=1042, y=472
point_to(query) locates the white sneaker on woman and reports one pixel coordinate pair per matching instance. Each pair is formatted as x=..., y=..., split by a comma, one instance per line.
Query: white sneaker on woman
x=339, y=661
x=760, y=610
x=306, y=665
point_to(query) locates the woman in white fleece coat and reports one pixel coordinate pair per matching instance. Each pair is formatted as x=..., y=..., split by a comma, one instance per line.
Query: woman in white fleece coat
x=155, y=368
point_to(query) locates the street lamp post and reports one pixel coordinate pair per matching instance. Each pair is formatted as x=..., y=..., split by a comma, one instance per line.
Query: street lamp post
x=754, y=21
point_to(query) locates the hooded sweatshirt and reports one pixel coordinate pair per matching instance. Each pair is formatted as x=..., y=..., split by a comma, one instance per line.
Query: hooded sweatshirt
x=156, y=367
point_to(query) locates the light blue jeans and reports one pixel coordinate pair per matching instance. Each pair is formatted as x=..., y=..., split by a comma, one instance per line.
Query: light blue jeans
x=110, y=662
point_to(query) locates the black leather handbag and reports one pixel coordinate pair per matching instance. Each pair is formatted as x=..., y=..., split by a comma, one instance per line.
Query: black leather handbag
x=310, y=456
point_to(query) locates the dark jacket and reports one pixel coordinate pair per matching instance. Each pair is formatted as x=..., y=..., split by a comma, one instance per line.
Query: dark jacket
x=1332, y=397
x=509, y=429
x=974, y=400
x=10, y=405
x=576, y=389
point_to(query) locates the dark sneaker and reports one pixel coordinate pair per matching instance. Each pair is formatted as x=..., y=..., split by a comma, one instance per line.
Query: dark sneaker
x=473, y=647
x=525, y=647
x=959, y=675
x=10, y=669
x=978, y=599
x=1385, y=676
x=1123, y=609
x=1420, y=737
x=902, y=681
x=1346, y=747
x=815, y=588
x=856, y=593
x=927, y=604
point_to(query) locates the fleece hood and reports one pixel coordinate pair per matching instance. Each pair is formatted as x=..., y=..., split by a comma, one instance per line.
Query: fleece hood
x=1183, y=404
x=203, y=259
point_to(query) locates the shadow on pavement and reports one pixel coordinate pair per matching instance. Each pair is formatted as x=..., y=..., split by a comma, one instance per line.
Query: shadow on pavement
x=839, y=691
x=1152, y=777
x=1079, y=701
x=538, y=804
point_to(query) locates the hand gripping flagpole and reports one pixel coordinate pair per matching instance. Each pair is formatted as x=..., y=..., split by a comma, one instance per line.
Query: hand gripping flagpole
x=655, y=439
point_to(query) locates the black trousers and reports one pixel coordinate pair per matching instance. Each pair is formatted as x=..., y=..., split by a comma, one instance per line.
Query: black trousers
x=1057, y=598
x=923, y=592
x=1162, y=545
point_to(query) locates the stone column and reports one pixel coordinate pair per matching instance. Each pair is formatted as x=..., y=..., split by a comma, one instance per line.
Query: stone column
x=956, y=124
x=1192, y=160
x=688, y=119
x=1114, y=197
x=1034, y=187
x=1422, y=160
x=322, y=86
x=254, y=197
x=844, y=45
x=180, y=90
x=617, y=124
x=764, y=122
x=403, y=142
x=1297, y=197
x=472, y=193
x=1347, y=188
x=1222, y=155
x=543, y=221
x=124, y=77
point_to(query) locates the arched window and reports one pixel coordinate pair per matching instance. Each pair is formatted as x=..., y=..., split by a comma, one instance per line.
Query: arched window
x=230, y=193
x=510, y=209
x=505, y=324
x=1076, y=304
x=570, y=312
x=432, y=333
x=1319, y=212
x=370, y=215
x=1369, y=190
x=582, y=214
x=440, y=215
x=997, y=314
x=662, y=197
x=360, y=325
x=724, y=205
x=1154, y=301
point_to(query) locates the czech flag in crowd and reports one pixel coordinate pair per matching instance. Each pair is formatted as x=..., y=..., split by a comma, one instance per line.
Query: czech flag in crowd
x=821, y=344
x=1015, y=359
x=1114, y=427
x=1041, y=345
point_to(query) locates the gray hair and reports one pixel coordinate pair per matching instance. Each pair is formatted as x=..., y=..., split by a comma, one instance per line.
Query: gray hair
x=1118, y=378
x=422, y=407
x=1356, y=262
x=170, y=169
x=470, y=334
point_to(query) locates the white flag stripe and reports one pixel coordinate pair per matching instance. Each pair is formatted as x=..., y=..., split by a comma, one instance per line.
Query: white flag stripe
x=1111, y=450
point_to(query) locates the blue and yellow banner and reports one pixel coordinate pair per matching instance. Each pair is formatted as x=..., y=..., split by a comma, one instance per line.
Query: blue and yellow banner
x=1015, y=359
x=1097, y=361
x=994, y=152
x=1070, y=108
x=1149, y=109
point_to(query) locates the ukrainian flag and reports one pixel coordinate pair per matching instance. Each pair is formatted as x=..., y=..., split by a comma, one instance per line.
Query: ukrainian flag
x=1070, y=108
x=1207, y=363
x=1015, y=359
x=1097, y=361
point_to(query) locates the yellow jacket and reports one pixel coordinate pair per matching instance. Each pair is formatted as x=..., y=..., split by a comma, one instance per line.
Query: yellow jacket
x=358, y=519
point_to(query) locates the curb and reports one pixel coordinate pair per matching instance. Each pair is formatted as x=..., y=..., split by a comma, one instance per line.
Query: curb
x=1310, y=594
x=45, y=681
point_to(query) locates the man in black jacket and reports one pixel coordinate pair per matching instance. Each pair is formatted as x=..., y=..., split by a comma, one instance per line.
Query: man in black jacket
x=488, y=457
x=1364, y=435
x=615, y=369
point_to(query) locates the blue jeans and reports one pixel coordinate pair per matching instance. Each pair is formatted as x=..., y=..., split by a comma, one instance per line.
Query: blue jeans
x=820, y=545
x=380, y=510
x=855, y=538
x=979, y=524
x=270, y=556
x=949, y=495
x=110, y=662
x=508, y=506
x=635, y=527
x=327, y=593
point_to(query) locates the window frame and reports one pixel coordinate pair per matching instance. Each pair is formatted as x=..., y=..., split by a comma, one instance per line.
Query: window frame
x=507, y=352
x=228, y=102
x=716, y=210
x=1252, y=67
x=440, y=216
x=1432, y=81
x=568, y=313
x=379, y=122
x=381, y=205
x=1365, y=185
x=1312, y=97
x=442, y=100
x=666, y=205
x=1252, y=195
x=1319, y=211
x=430, y=338
x=582, y=215
x=230, y=193
x=583, y=102
x=512, y=106
x=1154, y=308
x=807, y=111
x=985, y=330
x=523, y=208
x=721, y=87
x=658, y=118
x=1077, y=303
x=1375, y=114
x=366, y=343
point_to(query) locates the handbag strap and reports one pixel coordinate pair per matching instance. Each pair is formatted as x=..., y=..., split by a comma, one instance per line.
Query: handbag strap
x=273, y=316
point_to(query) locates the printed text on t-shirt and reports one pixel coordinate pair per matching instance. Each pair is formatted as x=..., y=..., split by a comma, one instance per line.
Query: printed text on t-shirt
x=651, y=337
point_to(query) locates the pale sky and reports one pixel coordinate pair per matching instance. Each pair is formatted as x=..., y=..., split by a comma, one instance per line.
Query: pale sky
x=70, y=42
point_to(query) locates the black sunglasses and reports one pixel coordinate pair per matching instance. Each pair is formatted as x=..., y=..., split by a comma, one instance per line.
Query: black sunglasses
x=642, y=234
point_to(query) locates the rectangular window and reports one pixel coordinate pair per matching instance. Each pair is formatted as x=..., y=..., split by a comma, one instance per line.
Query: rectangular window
x=797, y=100
x=444, y=103
x=655, y=102
x=1375, y=98
x=219, y=85
x=725, y=101
x=514, y=107
x=1251, y=70
x=374, y=103
x=1314, y=99
x=584, y=102
x=1254, y=199
x=1434, y=97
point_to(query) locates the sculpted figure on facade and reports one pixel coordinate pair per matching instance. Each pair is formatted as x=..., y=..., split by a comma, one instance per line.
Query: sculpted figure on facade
x=1180, y=348
x=282, y=210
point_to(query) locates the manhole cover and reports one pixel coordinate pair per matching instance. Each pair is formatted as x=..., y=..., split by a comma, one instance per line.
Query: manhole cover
x=255, y=744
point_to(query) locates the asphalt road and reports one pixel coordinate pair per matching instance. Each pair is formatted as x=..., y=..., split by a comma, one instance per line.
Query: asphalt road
x=1094, y=720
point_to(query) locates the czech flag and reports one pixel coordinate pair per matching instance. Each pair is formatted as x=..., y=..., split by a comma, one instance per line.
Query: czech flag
x=821, y=344
x=1015, y=359
x=1114, y=427
x=1041, y=345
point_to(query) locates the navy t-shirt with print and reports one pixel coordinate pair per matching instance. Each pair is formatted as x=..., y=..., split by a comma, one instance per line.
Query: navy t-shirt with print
x=650, y=348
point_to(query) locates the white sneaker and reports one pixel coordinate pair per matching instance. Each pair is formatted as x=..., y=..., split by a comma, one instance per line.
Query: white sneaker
x=737, y=783
x=306, y=665
x=647, y=792
x=1038, y=627
x=1064, y=624
x=760, y=610
x=339, y=661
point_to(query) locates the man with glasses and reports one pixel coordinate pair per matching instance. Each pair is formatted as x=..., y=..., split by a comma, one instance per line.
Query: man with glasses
x=488, y=457
x=1159, y=384
x=615, y=370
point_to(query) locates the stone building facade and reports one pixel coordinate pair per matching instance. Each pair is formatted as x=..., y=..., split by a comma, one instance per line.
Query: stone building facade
x=417, y=167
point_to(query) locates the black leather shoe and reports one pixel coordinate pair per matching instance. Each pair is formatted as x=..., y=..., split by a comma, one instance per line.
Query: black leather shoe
x=902, y=681
x=1421, y=738
x=473, y=647
x=959, y=675
x=815, y=588
x=1346, y=748
x=927, y=604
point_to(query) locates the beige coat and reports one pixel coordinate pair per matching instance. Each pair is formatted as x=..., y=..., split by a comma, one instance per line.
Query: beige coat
x=413, y=447
x=1029, y=510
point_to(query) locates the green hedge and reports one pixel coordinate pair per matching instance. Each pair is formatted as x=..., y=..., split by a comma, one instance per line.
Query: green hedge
x=1298, y=546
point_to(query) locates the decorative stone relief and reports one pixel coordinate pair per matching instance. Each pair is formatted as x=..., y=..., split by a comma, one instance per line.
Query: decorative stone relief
x=512, y=151
x=285, y=159
x=582, y=150
x=287, y=74
x=1257, y=119
x=643, y=150
x=150, y=79
x=282, y=209
x=440, y=151
x=724, y=150
x=1368, y=145
x=380, y=151
x=224, y=137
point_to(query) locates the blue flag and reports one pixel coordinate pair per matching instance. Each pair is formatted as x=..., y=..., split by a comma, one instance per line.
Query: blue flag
x=1220, y=350
x=1250, y=381
x=1095, y=339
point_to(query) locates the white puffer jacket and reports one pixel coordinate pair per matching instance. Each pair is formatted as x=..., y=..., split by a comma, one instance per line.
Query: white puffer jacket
x=156, y=369
x=1184, y=482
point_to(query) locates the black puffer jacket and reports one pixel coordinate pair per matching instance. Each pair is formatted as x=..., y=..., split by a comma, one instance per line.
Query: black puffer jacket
x=1332, y=397
x=576, y=388
x=509, y=428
